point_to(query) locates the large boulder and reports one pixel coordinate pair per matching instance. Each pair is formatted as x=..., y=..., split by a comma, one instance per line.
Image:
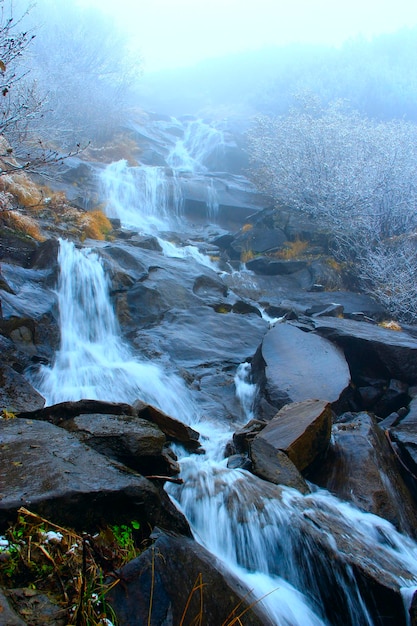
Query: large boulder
x=372, y=350
x=171, y=427
x=301, y=430
x=50, y=472
x=135, y=442
x=360, y=467
x=293, y=366
x=177, y=581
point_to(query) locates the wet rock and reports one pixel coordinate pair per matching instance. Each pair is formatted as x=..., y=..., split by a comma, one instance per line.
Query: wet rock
x=257, y=240
x=293, y=366
x=147, y=242
x=273, y=465
x=393, y=397
x=31, y=295
x=273, y=267
x=236, y=197
x=169, y=571
x=208, y=288
x=120, y=260
x=45, y=256
x=145, y=305
x=372, y=350
x=16, y=248
x=301, y=430
x=58, y=413
x=243, y=437
x=16, y=394
x=50, y=472
x=244, y=308
x=239, y=461
x=331, y=310
x=135, y=442
x=173, y=428
x=36, y=609
x=405, y=435
x=360, y=467
x=206, y=336
x=8, y=616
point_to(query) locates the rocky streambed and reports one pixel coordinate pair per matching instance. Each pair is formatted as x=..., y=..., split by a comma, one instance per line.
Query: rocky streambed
x=221, y=385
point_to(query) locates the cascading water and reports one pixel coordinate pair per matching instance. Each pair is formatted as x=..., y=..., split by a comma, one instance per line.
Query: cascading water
x=150, y=198
x=297, y=553
x=145, y=197
x=92, y=361
x=202, y=145
x=301, y=554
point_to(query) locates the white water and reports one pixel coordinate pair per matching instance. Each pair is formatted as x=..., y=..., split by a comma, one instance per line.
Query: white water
x=245, y=390
x=280, y=541
x=274, y=538
x=149, y=198
x=186, y=252
x=201, y=143
x=145, y=198
x=93, y=362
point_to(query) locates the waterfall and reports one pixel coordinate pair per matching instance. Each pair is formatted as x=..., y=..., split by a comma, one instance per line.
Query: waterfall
x=145, y=198
x=300, y=554
x=212, y=202
x=245, y=389
x=149, y=198
x=200, y=149
x=92, y=361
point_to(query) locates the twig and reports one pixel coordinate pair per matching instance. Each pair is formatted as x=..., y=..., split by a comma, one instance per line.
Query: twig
x=176, y=481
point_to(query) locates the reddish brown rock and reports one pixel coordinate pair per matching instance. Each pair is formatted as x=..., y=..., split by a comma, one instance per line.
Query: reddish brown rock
x=301, y=430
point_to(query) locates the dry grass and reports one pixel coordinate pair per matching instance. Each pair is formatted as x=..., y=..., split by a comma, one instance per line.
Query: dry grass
x=25, y=191
x=246, y=227
x=69, y=567
x=23, y=224
x=246, y=255
x=390, y=325
x=334, y=265
x=292, y=249
x=94, y=225
x=121, y=147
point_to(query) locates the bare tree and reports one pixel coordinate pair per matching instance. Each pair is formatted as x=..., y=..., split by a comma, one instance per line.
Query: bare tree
x=85, y=67
x=22, y=147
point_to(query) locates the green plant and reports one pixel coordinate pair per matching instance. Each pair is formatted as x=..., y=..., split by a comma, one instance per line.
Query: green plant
x=124, y=536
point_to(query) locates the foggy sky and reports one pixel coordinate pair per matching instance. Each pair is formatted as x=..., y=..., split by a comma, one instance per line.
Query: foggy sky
x=175, y=33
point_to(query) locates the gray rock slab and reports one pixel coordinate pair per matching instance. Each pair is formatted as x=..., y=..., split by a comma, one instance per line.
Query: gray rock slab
x=301, y=366
x=200, y=336
x=8, y=617
x=393, y=352
x=49, y=471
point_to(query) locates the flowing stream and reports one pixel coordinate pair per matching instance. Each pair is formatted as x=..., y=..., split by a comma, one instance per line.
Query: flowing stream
x=290, y=549
x=93, y=361
x=304, y=556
